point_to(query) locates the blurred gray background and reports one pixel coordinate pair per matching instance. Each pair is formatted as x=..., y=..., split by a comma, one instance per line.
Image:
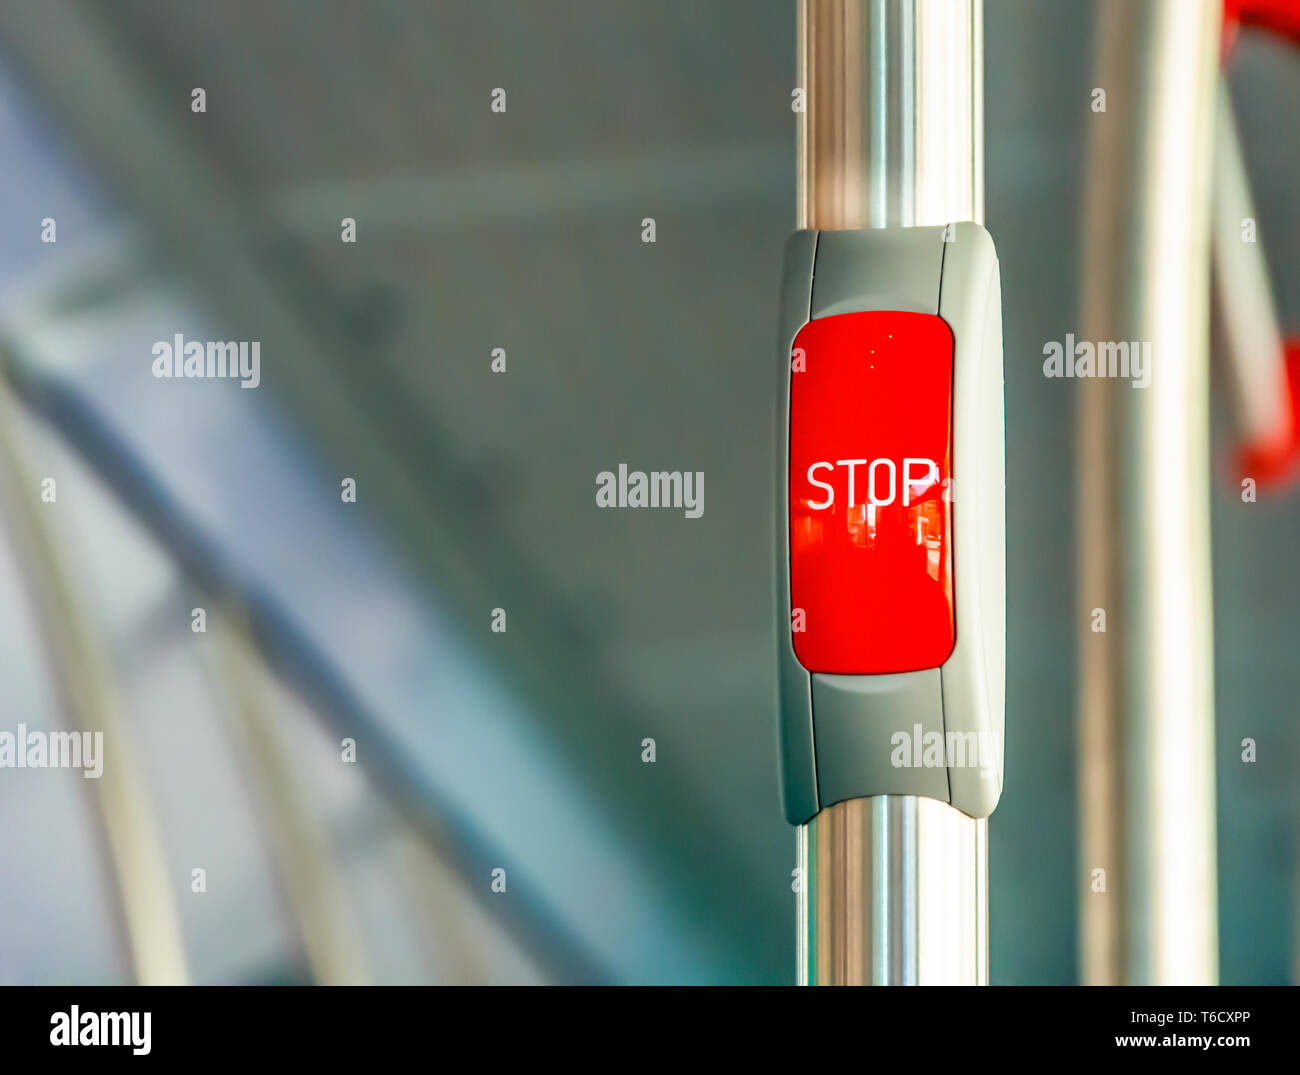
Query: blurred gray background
x=522, y=231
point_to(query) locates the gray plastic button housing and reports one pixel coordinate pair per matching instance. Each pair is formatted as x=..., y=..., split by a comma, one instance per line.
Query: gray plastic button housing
x=838, y=733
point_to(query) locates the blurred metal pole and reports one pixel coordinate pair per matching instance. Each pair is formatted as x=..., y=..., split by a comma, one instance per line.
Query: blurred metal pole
x=295, y=659
x=82, y=669
x=297, y=834
x=1146, y=779
x=896, y=887
x=1252, y=349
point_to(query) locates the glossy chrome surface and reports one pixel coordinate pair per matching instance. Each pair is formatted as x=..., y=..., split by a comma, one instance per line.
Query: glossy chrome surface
x=896, y=895
x=893, y=134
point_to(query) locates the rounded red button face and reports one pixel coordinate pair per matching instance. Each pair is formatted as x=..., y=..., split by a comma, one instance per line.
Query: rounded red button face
x=870, y=493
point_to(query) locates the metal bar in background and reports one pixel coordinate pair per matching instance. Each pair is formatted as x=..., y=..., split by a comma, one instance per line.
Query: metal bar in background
x=307, y=866
x=441, y=824
x=159, y=165
x=143, y=893
x=1252, y=350
x=1146, y=780
x=896, y=887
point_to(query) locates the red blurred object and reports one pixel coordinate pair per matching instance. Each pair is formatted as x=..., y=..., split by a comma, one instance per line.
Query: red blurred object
x=870, y=512
x=1278, y=16
x=1277, y=461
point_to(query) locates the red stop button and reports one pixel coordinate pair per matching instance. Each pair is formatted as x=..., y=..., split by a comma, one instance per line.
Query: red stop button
x=870, y=499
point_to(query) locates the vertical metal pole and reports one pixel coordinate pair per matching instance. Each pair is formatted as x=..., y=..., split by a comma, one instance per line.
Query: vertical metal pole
x=1147, y=812
x=896, y=887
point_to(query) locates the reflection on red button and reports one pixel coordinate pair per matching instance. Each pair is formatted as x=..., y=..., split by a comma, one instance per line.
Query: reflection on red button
x=870, y=498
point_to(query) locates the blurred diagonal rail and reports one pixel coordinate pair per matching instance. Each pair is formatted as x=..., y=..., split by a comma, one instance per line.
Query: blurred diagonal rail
x=297, y=836
x=143, y=892
x=440, y=822
x=356, y=407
